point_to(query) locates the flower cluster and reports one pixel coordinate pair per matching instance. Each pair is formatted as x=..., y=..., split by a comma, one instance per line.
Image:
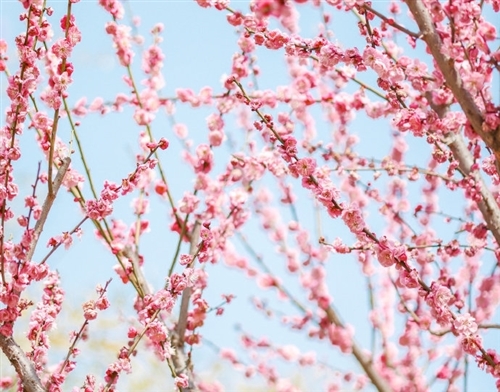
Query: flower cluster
x=445, y=101
x=42, y=320
x=389, y=253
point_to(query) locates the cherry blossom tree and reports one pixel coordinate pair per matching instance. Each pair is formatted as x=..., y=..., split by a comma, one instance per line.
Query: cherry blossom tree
x=348, y=187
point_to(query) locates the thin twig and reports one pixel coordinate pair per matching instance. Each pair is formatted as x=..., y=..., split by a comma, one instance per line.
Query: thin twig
x=392, y=22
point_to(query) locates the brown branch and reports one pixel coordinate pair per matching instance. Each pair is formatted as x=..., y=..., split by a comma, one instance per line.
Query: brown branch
x=182, y=322
x=489, y=326
x=47, y=205
x=179, y=358
x=363, y=360
x=487, y=205
x=137, y=277
x=392, y=22
x=23, y=366
x=447, y=67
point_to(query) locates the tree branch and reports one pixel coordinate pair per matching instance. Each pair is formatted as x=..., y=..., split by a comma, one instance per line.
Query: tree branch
x=447, y=67
x=16, y=356
x=487, y=205
x=366, y=364
x=47, y=205
x=392, y=22
x=23, y=366
x=179, y=358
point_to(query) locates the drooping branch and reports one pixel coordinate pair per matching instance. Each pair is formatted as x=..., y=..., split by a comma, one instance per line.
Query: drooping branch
x=453, y=80
x=23, y=366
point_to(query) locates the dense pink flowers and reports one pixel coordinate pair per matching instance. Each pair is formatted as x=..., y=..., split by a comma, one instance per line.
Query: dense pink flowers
x=204, y=160
x=98, y=209
x=305, y=166
x=122, y=41
x=215, y=124
x=465, y=325
x=266, y=8
x=353, y=219
x=43, y=319
x=389, y=253
x=114, y=7
x=439, y=299
x=295, y=180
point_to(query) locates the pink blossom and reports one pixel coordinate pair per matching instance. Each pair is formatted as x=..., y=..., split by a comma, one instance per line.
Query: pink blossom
x=388, y=253
x=216, y=138
x=177, y=283
x=229, y=354
x=353, y=218
x=276, y=39
x=114, y=7
x=122, y=40
x=204, y=3
x=215, y=122
x=266, y=281
x=439, y=299
x=62, y=49
x=180, y=130
x=6, y=382
x=181, y=381
x=465, y=324
x=471, y=343
x=306, y=166
x=143, y=117
x=186, y=259
x=289, y=352
x=341, y=337
x=330, y=55
x=98, y=209
x=89, y=310
x=205, y=159
x=157, y=332
x=265, y=8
